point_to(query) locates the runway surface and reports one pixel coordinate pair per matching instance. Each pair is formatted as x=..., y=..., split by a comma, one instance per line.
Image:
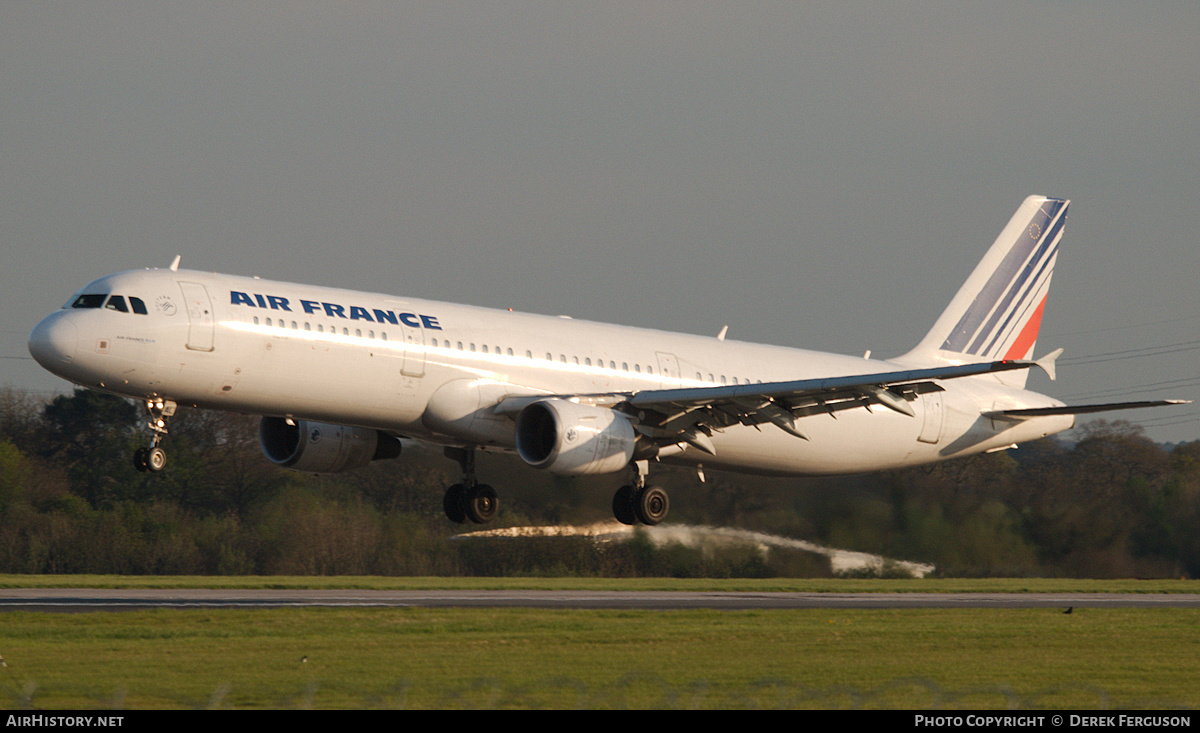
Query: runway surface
x=100, y=599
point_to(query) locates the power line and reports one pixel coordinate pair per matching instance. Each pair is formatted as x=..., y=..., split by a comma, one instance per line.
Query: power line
x=1195, y=418
x=1060, y=334
x=1136, y=389
x=1138, y=353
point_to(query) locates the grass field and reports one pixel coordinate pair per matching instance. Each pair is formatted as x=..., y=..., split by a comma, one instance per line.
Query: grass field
x=500, y=658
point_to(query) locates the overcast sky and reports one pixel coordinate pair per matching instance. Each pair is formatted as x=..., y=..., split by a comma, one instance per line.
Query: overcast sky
x=813, y=175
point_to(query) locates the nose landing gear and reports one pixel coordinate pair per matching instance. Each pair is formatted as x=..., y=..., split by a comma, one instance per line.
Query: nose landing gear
x=153, y=458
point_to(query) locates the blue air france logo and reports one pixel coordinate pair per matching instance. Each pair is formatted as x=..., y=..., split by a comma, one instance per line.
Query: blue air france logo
x=1003, y=319
x=335, y=310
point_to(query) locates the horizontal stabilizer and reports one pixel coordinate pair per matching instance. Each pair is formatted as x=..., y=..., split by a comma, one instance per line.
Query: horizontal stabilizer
x=1080, y=409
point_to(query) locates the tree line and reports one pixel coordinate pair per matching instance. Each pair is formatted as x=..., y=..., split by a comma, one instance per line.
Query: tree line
x=1110, y=504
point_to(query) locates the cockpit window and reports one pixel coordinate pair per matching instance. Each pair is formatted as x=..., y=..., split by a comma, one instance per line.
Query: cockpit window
x=114, y=302
x=90, y=300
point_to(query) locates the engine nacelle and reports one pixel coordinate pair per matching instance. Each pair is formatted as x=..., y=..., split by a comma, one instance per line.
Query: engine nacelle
x=568, y=438
x=315, y=447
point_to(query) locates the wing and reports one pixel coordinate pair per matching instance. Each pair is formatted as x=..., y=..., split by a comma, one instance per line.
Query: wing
x=691, y=414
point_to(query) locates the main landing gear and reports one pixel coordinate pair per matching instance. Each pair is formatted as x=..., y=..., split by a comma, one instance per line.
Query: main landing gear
x=638, y=503
x=469, y=499
x=153, y=458
x=634, y=503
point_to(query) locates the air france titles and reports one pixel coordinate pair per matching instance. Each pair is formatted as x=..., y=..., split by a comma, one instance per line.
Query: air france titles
x=335, y=310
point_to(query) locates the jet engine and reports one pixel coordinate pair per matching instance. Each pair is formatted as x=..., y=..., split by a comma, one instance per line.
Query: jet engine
x=573, y=439
x=314, y=447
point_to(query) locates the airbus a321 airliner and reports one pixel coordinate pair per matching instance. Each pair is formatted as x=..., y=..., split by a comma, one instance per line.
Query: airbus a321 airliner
x=343, y=378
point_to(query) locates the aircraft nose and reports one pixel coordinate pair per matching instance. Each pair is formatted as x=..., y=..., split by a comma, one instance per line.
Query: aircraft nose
x=53, y=341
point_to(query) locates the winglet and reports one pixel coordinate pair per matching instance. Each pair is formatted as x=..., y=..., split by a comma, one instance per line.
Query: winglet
x=175, y=262
x=1047, y=363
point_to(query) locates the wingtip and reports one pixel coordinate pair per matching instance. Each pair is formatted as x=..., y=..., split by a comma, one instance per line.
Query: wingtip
x=1047, y=364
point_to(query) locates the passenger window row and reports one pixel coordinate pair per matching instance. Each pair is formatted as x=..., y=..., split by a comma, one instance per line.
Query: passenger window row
x=637, y=368
x=358, y=332
x=612, y=365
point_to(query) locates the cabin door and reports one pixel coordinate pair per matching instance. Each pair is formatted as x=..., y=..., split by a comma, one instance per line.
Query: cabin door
x=200, y=316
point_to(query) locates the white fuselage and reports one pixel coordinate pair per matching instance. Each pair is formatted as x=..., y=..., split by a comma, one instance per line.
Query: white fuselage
x=435, y=371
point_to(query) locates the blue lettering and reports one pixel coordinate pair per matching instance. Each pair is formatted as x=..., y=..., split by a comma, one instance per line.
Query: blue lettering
x=386, y=317
x=333, y=310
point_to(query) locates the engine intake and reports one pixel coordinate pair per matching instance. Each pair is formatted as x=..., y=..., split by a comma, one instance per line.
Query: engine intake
x=314, y=447
x=572, y=439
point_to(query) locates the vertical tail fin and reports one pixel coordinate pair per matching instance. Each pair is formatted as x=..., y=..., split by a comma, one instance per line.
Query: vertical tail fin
x=997, y=312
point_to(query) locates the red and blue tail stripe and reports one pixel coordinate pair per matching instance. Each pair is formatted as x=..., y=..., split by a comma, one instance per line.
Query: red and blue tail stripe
x=1002, y=320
